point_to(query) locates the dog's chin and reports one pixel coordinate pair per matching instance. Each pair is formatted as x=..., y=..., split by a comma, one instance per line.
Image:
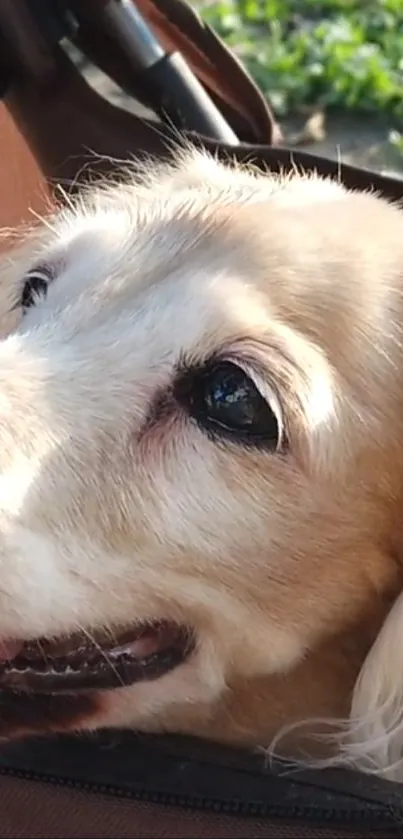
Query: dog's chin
x=57, y=684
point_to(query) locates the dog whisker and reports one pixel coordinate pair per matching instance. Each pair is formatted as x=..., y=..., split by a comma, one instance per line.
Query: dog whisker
x=103, y=654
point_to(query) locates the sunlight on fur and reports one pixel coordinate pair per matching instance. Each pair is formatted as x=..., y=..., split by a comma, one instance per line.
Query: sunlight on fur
x=201, y=417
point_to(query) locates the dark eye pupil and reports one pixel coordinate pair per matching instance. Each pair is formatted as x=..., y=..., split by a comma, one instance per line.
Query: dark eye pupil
x=35, y=286
x=225, y=400
x=231, y=397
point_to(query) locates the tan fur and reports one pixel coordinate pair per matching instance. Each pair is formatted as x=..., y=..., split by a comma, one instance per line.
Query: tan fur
x=286, y=565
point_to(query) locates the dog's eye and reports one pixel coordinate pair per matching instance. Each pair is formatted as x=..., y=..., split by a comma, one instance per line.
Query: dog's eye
x=225, y=400
x=35, y=286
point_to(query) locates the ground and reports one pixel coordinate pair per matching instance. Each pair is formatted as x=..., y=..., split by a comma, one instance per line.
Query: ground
x=340, y=61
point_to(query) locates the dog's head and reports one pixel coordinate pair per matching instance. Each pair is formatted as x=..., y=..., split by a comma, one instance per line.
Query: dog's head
x=200, y=441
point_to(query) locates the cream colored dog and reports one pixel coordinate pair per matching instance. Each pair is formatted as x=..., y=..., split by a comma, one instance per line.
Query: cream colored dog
x=201, y=465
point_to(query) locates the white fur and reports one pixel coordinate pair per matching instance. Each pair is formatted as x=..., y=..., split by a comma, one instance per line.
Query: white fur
x=104, y=521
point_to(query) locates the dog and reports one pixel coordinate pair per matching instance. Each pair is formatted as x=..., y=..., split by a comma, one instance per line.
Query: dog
x=201, y=464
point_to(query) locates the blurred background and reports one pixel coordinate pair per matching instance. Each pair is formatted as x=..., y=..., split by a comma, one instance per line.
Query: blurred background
x=331, y=69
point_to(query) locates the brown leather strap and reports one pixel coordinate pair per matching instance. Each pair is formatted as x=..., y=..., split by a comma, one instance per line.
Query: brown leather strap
x=52, y=122
x=179, y=27
x=176, y=25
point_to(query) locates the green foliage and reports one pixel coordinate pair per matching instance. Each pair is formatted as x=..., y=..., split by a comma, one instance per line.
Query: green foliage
x=332, y=53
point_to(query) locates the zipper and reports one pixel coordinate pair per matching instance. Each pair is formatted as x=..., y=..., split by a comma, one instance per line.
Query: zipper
x=381, y=817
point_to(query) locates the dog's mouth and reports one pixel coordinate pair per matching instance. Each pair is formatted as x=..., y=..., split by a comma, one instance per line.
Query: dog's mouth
x=93, y=662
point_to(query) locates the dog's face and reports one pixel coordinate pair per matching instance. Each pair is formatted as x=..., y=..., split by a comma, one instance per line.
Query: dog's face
x=199, y=442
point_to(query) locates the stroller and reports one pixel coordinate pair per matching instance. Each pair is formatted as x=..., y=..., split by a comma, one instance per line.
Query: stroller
x=55, y=128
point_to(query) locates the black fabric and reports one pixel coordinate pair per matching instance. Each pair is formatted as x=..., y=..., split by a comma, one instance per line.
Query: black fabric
x=206, y=779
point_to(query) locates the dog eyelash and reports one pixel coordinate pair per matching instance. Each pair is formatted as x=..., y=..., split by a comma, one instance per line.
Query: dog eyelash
x=35, y=285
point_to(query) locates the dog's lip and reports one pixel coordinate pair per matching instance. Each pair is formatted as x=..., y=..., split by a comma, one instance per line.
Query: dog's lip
x=9, y=649
x=86, y=661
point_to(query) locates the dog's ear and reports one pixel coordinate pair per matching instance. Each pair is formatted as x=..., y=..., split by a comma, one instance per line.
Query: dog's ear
x=376, y=723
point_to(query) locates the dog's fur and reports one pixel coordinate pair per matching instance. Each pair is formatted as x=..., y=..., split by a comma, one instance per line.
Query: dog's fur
x=288, y=566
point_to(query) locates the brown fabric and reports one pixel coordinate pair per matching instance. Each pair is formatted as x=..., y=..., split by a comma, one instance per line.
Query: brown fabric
x=66, y=125
x=34, y=810
x=22, y=184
